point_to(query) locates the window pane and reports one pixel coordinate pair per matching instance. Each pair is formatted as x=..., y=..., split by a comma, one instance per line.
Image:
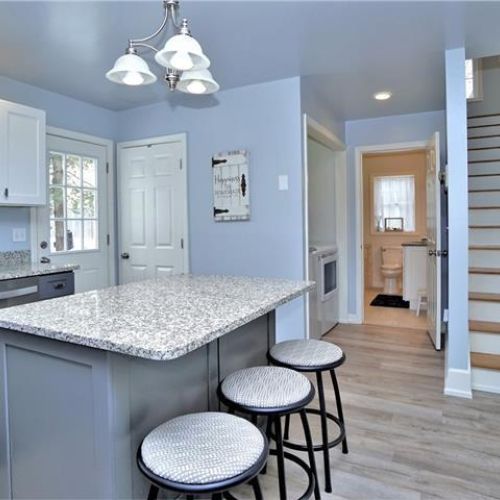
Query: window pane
x=469, y=88
x=469, y=68
x=73, y=170
x=56, y=168
x=89, y=166
x=89, y=203
x=74, y=235
x=56, y=202
x=90, y=236
x=74, y=203
x=57, y=236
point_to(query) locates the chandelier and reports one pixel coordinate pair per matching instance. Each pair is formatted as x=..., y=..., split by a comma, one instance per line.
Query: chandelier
x=186, y=66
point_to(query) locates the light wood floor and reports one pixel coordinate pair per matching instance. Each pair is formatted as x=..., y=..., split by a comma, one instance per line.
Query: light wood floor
x=391, y=316
x=406, y=439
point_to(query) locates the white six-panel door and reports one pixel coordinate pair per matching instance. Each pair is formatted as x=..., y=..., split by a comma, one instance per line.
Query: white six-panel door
x=152, y=211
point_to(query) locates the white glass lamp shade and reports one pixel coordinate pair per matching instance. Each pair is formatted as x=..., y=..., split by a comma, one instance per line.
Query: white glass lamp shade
x=197, y=82
x=182, y=53
x=130, y=69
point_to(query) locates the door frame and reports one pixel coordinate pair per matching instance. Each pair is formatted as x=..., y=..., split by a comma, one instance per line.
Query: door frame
x=108, y=144
x=314, y=130
x=182, y=138
x=358, y=316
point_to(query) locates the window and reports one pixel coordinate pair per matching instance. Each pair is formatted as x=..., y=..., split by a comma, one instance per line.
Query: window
x=72, y=202
x=394, y=198
x=473, y=83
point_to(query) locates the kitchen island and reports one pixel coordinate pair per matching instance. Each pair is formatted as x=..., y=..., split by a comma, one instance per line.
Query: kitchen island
x=85, y=377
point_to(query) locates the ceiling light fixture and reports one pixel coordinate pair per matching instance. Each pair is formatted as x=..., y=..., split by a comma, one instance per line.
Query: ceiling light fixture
x=382, y=96
x=186, y=66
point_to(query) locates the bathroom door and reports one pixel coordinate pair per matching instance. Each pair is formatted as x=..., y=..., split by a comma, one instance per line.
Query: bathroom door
x=433, y=242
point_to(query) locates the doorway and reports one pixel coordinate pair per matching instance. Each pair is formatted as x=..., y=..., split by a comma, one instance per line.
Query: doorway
x=76, y=226
x=399, y=235
x=152, y=201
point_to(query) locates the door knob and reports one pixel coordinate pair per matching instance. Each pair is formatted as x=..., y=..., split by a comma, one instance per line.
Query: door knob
x=125, y=255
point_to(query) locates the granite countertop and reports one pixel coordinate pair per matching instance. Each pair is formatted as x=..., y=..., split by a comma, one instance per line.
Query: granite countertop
x=23, y=270
x=159, y=319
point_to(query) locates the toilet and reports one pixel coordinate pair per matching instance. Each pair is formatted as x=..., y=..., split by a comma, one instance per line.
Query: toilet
x=392, y=268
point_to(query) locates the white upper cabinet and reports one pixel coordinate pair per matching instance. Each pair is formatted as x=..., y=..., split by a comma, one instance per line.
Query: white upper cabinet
x=23, y=171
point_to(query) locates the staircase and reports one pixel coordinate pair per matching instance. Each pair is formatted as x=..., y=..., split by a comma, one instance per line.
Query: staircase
x=484, y=250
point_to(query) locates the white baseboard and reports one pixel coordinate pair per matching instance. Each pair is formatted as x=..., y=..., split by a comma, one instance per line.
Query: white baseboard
x=486, y=380
x=458, y=383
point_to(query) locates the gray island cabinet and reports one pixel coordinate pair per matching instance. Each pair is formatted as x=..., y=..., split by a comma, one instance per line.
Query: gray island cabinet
x=83, y=378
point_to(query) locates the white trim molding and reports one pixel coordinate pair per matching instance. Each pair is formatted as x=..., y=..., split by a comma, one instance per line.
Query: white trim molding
x=314, y=130
x=458, y=383
x=359, y=151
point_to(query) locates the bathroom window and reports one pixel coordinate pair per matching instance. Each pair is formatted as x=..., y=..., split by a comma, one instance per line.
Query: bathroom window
x=394, y=198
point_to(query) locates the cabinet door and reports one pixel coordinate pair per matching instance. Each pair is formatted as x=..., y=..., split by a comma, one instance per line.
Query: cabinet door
x=23, y=159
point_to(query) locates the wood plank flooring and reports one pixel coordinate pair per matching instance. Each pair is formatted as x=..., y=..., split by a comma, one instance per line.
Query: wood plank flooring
x=406, y=439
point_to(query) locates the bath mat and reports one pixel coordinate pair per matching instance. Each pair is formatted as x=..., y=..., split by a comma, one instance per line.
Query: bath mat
x=390, y=301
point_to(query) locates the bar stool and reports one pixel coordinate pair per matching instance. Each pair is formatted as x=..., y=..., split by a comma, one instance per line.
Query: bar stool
x=316, y=356
x=273, y=392
x=203, y=453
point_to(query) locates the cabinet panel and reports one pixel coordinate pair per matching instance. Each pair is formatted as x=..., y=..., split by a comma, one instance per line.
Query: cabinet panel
x=23, y=165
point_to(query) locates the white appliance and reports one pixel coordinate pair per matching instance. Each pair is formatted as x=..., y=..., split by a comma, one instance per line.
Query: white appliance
x=323, y=300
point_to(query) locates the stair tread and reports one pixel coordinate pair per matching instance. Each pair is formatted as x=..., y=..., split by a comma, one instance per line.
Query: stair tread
x=484, y=326
x=485, y=360
x=484, y=297
x=484, y=270
x=484, y=247
x=485, y=208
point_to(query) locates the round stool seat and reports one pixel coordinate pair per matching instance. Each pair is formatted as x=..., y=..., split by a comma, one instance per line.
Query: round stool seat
x=267, y=387
x=306, y=353
x=203, y=448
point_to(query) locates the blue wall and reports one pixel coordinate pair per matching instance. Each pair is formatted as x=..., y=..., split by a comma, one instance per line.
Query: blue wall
x=63, y=112
x=265, y=119
x=377, y=131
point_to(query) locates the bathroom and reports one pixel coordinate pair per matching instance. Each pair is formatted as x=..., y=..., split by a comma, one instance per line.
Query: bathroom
x=394, y=232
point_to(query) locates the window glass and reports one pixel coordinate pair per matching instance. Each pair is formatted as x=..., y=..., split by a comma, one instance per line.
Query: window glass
x=73, y=202
x=394, y=203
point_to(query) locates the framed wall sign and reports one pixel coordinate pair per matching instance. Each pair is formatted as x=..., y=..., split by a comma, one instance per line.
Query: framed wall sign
x=231, y=186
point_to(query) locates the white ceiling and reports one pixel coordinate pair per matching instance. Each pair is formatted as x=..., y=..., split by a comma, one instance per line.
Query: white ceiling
x=347, y=50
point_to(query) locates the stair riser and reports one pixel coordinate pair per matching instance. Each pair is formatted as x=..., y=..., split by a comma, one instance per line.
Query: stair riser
x=484, y=311
x=484, y=182
x=491, y=199
x=486, y=380
x=485, y=342
x=484, y=168
x=484, y=258
x=484, y=236
x=487, y=283
x=485, y=154
x=484, y=217
x=486, y=142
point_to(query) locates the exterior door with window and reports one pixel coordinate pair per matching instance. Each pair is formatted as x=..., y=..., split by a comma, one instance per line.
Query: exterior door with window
x=72, y=228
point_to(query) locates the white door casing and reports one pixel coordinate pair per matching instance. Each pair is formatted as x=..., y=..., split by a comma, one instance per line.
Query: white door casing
x=152, y=209
x=434, y=242
x=77, y=211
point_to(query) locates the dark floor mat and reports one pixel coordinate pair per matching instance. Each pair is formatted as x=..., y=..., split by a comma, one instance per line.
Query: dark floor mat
x=382, y=300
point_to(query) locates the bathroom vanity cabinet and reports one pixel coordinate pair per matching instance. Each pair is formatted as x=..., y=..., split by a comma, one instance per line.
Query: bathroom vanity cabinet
x=414, y=271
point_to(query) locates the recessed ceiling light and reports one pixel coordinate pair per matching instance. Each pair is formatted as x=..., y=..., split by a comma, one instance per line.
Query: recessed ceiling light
x=382, y=96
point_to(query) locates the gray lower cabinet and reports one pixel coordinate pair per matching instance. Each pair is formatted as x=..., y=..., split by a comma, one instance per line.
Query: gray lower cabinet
x=72, y=417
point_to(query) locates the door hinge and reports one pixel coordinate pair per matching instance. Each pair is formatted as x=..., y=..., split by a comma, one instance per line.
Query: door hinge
x=442, y=177
x=108, y=240
x=182, y=243
x=107, y=167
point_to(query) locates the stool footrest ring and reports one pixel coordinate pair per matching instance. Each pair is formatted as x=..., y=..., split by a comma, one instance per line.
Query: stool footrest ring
x=319, y=447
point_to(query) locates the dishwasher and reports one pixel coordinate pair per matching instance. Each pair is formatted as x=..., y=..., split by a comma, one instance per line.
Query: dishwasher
x=35, y=288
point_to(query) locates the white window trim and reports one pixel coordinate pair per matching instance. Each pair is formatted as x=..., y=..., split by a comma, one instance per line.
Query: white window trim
x=477, y=66
x=110, y=159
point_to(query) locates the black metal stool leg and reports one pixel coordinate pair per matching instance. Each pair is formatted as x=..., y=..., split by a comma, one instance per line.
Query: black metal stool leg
x=339, y=409
x=310, y=452
x=324, y=432
x=287, y=428
x=153, y=492
x=256, y=489
x=268, y=434
x=280, y=456
x=189, y=497
x=217, y=496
